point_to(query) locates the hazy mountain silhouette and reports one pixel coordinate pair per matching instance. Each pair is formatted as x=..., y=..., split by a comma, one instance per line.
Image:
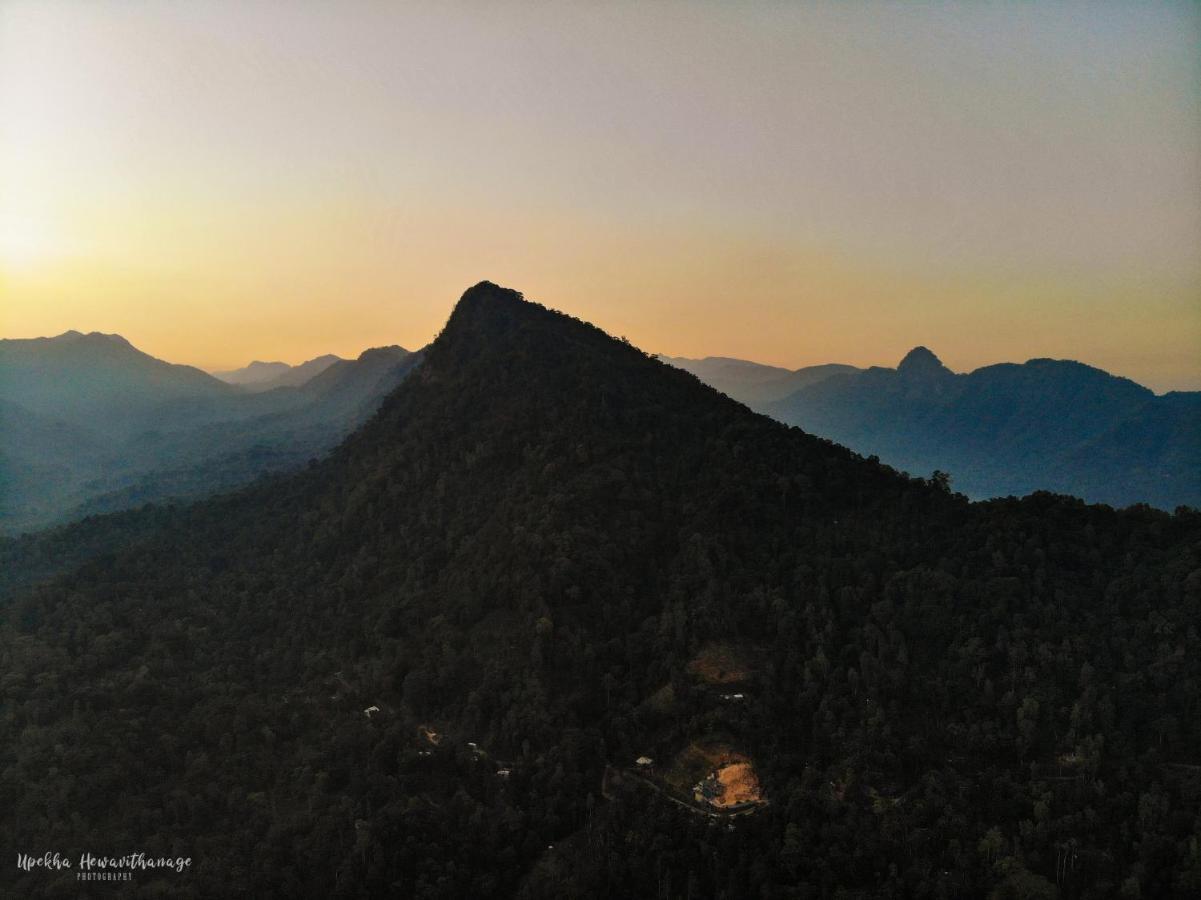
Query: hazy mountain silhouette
x=1000, y=430
x=98, y=381
x=254, y=373
x=753, y=383
x=265, y=376
x=525, y=549
x=345, y=381
x=91, y=424
x=1011, y=429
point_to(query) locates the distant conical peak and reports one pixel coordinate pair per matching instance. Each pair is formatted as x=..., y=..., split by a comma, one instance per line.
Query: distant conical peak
x=921, y=360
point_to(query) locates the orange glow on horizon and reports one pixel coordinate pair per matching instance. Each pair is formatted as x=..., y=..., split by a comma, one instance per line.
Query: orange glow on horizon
x=791, y=186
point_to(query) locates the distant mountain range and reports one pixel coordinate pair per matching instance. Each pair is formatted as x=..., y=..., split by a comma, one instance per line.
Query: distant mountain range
x=89, y=423
x=754, y=383
x=264, y=376
x=1000, y=430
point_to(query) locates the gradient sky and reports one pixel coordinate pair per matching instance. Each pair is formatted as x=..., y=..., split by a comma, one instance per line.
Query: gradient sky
x=791, y=183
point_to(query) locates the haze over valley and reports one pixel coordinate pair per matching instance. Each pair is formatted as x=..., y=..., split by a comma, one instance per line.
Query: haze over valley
x=90, y=424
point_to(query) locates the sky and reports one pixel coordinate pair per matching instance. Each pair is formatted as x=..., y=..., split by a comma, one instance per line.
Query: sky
x=790, y=183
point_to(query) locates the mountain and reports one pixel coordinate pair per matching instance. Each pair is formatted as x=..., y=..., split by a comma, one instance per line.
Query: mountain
x=235, y=443
x=96, y=380
x=496, y=642
x=343, y=379
x=300, y=374
x=265, y=376
x=91, y=424
x=254, y=373
x=1012, y=429
x=753, y=383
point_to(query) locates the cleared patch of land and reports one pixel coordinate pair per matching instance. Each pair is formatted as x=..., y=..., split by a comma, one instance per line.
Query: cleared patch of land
x=713, y=775
x=737, y=784
x=716, y=773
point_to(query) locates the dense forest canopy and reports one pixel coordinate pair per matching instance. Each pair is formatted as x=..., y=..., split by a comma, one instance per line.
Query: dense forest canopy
x=523, y=562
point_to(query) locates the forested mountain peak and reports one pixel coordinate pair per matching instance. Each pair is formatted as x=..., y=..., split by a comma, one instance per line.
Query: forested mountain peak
x=528, y=356
x=489, y=291
x=487, y=310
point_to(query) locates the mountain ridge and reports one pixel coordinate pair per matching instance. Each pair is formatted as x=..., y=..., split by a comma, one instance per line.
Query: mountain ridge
x=998, y=430
x=1012, y=428
x=264, y=376
x=147, y=430
x=754, y=383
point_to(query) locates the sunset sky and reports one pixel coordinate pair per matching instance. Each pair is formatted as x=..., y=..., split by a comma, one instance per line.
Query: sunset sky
x=790, y=183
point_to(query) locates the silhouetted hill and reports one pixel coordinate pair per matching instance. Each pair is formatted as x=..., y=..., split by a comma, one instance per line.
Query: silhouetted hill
x=752, y=383
x=91, y=424
x=1012, y=429
x=95, y=380
x=362, y=377
x=526, y=551
x=254, y=373
x=265, y=376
